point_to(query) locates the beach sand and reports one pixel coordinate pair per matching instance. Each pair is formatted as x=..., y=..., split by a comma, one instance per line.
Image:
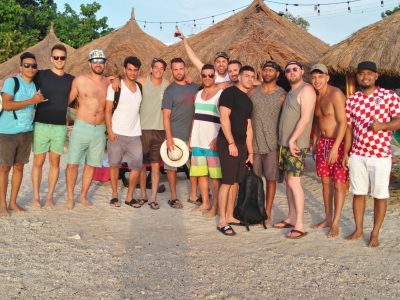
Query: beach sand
x=127, y=253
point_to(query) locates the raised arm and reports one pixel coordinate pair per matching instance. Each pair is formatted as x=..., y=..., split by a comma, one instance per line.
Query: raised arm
x=189, y=51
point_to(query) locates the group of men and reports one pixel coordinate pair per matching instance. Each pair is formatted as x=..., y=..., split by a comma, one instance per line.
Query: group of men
x=232, y=120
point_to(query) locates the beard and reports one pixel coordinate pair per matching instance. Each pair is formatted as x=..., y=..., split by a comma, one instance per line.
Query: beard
x=98, y=71
x=179, y=77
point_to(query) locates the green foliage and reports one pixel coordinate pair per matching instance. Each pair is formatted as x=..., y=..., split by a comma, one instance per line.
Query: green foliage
x=23, y=23
x=390, y=12
x=301, y=22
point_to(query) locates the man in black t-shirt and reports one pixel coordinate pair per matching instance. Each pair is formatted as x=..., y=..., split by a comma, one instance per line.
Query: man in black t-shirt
x=235, y=139
x=50, y=122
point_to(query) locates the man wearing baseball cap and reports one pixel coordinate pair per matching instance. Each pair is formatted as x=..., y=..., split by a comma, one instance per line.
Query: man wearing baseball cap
x=372, y=114
x=88, y=135
x=329, y=130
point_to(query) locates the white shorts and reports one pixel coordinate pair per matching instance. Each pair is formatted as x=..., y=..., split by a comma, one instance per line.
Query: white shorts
x=366, y=170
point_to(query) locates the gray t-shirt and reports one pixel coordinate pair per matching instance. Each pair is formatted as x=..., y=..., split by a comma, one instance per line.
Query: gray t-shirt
x=180, y=100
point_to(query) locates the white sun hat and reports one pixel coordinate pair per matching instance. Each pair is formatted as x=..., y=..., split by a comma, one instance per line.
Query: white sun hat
x=176, y=157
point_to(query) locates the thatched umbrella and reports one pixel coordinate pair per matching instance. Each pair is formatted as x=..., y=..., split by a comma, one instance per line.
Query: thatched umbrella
x=378, y=42
x=252, y=36
x=42, y=52
x=127, y=40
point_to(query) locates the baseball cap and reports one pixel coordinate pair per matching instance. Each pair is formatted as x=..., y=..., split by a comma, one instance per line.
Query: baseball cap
x=319, y=67
x=221, y=54
x=367, y=65
x=96, y=53
x=294, y=62
x=271, y=64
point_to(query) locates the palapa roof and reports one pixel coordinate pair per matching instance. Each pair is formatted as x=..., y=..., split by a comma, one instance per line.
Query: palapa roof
x=41, y=50
x=125, y=41
x=252, y=36
x=378, y=42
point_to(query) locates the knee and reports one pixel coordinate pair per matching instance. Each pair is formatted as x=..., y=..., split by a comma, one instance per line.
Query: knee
x=18, y=168
x=5, y=169
x=293, y=182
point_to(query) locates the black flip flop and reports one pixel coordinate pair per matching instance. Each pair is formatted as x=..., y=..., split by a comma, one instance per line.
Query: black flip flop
x=132, y=202
x=175, y=203
x=114, y=202
x=226, y=228
x=154, y=205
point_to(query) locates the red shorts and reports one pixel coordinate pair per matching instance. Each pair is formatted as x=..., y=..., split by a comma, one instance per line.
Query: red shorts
x=335, y=171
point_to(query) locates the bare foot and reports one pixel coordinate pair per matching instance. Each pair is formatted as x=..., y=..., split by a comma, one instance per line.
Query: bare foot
x=69, y=205
x=269, y=218
x=324, y=224
x=36, y=204
x=202, y=208
x=373, y=241
x=16, y=208
x=4, y=212
x=232, y=220
x=49, y=204
x=355, y=235
x=86, y=203
x=334, y=232
x=209, y=214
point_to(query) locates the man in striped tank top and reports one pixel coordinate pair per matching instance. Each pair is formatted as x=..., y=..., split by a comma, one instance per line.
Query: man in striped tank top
x=205, y=161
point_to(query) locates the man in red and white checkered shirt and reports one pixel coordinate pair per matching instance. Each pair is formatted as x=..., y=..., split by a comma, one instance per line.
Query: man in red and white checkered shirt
x=372, y=114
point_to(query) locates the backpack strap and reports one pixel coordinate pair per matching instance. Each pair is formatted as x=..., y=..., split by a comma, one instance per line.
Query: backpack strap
x=16, y=88
x=140, y=87
x=118, y=94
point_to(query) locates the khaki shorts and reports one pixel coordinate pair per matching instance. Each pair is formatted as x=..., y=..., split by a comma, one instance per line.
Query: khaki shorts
x=15, y=148
x=266, y=165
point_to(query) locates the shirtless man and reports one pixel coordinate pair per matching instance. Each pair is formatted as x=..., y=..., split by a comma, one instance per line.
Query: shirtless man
x=329, y=130
x=88, y=135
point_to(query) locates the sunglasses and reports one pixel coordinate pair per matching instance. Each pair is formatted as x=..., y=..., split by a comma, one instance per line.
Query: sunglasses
x=207, y=75
x=101, y=61
x=27, y=66
x=288, y=70
x=59, y=58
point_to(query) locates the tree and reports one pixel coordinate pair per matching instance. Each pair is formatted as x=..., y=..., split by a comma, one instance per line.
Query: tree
x=301, y=22
x=390, y=12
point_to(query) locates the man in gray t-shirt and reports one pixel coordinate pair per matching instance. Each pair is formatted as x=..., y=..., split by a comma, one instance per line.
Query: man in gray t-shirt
x=178, y=110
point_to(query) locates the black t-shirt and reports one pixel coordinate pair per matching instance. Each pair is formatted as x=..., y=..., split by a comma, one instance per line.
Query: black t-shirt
x=56, y=89
x=241, y=107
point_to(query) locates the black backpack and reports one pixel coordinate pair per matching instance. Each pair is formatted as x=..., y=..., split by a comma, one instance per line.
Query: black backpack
x=250, y=204
x=16, y=88
x=118, y=94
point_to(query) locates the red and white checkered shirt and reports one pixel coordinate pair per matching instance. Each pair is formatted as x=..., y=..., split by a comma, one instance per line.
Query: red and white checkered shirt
x=361, y=111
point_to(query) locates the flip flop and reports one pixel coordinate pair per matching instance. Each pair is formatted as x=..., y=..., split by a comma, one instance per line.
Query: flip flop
x=132, y=202
x=140, y=203
x=197, y=201
x=175, y=203
x=285, y=225
x=154, y=205
x=224, y=230
x=114, y=202
x=302, y=234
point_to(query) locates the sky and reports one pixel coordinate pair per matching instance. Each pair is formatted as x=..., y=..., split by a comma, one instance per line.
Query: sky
x=332, y=25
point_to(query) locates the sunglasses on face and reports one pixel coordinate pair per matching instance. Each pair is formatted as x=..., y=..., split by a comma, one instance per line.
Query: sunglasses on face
x=207, y=75
x=101, y=61
x=59, y=58
x=288, y=70
x=27, y=66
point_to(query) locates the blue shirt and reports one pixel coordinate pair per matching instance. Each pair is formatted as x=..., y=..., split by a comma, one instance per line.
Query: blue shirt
x=24, y=121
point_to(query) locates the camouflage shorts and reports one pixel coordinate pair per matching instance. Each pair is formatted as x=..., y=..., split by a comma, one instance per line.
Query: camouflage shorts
x=290, y=164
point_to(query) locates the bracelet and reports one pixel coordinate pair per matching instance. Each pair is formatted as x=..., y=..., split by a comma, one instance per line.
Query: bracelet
x=231, y=143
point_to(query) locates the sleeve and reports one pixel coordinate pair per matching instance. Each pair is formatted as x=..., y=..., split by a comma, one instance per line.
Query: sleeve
x=226, y=99
x=110, y=93
x=8, y=87
x=167, y=99
x=348, y=111
x=394, y=108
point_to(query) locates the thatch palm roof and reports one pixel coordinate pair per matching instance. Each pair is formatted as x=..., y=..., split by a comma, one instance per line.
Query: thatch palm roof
x=378, y=42
x=42, y=52
x=125, y=41
x=252, y=36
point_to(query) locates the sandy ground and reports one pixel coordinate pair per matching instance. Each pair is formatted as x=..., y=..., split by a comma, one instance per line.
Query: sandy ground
x=127, y=253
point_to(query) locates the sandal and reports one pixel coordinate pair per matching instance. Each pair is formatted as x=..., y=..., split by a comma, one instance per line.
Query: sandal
x=224, y=230
x=175, y=203
x=114, y=202
x=154, y=205
x=132, y=202
x=140, y=203
x=282, y=225
x=299, y=236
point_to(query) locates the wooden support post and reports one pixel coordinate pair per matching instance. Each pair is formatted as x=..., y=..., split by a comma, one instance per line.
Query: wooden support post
x=350, y=84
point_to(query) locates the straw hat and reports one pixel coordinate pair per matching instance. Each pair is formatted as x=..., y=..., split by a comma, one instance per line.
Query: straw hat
x=176, y=157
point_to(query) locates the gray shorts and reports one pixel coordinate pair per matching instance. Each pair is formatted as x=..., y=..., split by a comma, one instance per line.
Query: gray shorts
x=129, y=147
x=15, y=148
x=266, y=165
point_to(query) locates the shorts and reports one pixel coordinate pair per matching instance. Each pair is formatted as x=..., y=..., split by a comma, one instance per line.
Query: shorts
x=129, y=147
x=293, y=166
x=170, y=168
x=233, y=168
x=49, y=137
x=15, y=148
x=335, y=171
x=151, y=143
x=366, y=170
x=87, y=144
x=266, y=165
x=205, y=162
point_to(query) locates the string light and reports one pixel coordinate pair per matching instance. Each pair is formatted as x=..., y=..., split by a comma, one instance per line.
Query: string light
x=160, y=26
x=348, y=6
x=382, y=3
x=286, y=9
